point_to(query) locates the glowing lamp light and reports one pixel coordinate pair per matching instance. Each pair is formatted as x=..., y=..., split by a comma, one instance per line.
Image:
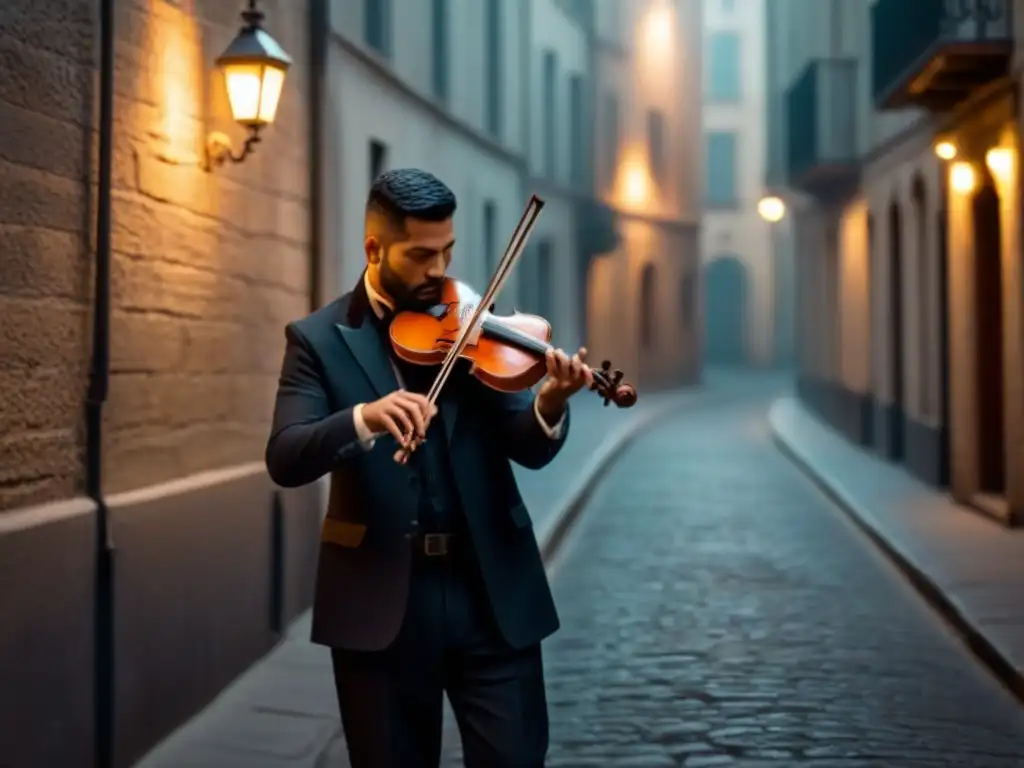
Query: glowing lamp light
x=945, y=150
x=1000, y=162
x=961, y=178
x=254, y=68
x=771, y=209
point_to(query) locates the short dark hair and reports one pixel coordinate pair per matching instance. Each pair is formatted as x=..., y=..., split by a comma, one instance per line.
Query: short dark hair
x=409, y=193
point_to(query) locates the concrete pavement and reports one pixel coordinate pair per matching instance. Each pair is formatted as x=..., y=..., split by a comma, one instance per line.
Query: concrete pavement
x=717, y=610
x=283, y=713
x=970, y=567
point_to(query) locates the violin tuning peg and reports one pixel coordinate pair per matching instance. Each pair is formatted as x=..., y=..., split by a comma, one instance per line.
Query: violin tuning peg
x=616, y=377
x=606, y=365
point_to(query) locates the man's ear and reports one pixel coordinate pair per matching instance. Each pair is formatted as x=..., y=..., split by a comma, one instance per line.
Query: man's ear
x=373, y=249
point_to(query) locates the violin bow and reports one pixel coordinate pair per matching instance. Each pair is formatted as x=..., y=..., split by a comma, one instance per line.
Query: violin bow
x=513, y=251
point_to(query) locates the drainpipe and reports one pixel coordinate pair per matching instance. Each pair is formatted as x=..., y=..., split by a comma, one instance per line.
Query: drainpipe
x=319, y=32
x=99, y=379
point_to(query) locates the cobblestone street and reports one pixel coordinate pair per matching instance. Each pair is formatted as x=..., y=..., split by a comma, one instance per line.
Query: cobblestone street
x=717, y=611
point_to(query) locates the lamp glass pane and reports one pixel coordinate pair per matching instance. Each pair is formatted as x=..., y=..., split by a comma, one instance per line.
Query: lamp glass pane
x=273, y=84
x=244, y=84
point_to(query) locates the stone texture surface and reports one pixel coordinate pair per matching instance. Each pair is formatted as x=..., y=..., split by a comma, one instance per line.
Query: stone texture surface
x=969, y=564
x=274, y=714
x=718, y=611
x=207, y=267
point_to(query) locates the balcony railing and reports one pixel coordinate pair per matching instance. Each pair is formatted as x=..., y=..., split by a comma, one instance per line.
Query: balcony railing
x=822, y=156
x=934, y=53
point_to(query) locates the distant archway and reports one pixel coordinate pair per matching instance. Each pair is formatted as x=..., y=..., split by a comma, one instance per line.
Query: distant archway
x=725, y=311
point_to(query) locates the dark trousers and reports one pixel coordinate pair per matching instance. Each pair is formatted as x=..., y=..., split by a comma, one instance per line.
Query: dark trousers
x=391, y=701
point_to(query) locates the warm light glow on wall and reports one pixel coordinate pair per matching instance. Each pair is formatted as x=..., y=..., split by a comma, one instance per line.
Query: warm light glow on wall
x=962, y=178
x=945, y=150
x=657, y=27
x=633, y=181
x=176, y=79
x=1000, y=162
x=771, y=209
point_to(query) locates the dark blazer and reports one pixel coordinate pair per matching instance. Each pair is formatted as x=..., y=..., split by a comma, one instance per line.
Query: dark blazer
x=335, y=359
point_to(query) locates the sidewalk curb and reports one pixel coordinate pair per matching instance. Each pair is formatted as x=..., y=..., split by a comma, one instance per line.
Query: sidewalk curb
x=551, y=538
x=986, y=651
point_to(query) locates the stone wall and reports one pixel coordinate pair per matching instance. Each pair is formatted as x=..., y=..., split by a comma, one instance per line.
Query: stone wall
x=208, y=266
x=46, y=110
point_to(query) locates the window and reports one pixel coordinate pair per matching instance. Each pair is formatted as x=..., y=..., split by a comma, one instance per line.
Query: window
x=720, y=170
x=378, y=159
x=377, y=25
x=491, y=254
x=440, y=49
x=550, y=72
x=493, y=37
x=577, y=147
x=723, y=67
x=611, y=153
x=656, y=144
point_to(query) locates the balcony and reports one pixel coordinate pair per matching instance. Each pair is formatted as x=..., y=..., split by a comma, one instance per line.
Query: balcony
x=596, y=228
x=933, y=53
x=822, y=157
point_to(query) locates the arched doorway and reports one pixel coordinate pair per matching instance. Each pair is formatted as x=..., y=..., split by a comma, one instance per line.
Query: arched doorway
x=725, y=311
x=896, y=339
x=988, y=341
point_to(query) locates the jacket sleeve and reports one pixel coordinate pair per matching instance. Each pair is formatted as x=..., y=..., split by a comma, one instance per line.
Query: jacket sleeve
x=306, y=439
x=525, y=440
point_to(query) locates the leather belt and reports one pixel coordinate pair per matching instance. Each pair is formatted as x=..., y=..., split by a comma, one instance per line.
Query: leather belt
x=434, y=544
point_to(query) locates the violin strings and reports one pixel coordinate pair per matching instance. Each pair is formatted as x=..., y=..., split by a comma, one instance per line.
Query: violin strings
x=512, y=253
x=456, y=348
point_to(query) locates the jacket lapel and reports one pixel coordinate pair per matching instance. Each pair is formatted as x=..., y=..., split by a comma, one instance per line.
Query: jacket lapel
x=363, y=341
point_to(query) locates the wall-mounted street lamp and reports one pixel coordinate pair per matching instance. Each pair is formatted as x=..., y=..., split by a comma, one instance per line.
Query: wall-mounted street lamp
x=254, y=68
x=771, y=208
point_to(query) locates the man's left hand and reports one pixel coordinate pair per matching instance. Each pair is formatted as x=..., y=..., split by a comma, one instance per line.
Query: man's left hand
x=566, y=377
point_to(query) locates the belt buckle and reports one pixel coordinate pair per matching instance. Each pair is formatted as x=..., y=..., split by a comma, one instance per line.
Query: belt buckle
x=435, y=544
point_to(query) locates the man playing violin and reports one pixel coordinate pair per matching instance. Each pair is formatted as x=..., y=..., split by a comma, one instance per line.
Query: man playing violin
x=429, y=578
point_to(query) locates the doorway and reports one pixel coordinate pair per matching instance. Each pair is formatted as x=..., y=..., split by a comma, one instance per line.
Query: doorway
x=942, y=271
x=988, y=341
x=896, y=339
x=725, y=303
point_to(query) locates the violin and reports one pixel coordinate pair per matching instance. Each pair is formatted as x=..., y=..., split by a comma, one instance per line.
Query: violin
x=506, y=352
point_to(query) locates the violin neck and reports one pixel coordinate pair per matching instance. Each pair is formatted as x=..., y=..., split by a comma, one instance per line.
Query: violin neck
x=512, y=336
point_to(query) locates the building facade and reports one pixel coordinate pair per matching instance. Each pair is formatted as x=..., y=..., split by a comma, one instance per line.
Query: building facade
x=741, y=252
x=138, y=527
x=643, y=305
x=909, y=260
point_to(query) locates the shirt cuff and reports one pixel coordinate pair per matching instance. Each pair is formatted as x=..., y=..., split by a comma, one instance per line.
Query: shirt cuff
x=555, y=432
x=366, y=437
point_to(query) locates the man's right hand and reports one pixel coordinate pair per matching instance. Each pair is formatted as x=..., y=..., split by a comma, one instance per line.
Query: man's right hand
x=404, y=414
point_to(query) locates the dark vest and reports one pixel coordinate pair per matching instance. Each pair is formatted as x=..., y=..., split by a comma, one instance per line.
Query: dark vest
x=440, y=506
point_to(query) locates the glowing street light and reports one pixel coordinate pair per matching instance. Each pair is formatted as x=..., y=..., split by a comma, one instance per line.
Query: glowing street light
x=771, y=208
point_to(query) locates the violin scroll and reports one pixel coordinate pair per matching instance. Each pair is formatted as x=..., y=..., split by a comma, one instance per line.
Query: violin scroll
x=607, y=383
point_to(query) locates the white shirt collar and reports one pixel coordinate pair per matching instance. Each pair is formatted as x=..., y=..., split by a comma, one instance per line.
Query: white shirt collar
x=377, y=302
